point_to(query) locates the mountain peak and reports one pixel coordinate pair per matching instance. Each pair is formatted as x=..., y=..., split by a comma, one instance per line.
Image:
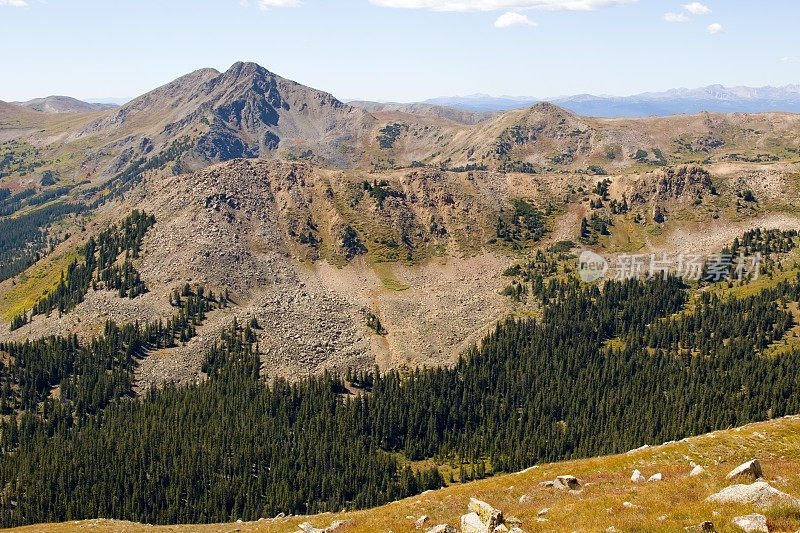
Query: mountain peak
x=246, y=111
x=246, y=67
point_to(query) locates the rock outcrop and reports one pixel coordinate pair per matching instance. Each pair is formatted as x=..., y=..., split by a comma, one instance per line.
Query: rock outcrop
x=688, y=183
x=483, y=518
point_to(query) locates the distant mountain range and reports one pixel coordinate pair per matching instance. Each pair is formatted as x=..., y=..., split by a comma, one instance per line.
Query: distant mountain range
x=64, y=104
x=715, y=98
x=473, y=108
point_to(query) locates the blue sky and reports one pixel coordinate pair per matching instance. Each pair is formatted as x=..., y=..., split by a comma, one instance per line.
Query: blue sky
x=400, y=50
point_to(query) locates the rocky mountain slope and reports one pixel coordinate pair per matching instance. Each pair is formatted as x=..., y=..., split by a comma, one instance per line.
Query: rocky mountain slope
x=605, y=498
x=401, y=214
x=276, y=236
x=313, y=253
x=547, y=138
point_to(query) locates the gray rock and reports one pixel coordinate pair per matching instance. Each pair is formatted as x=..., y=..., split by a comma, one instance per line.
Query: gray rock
x=696, y=471
x=513, y=521
x=749, y=470
x=655, y=477
x=637, y=477
x=471, y=523
x=752, y=522
x=335, y=526
x=308, y=528
x=759, y=493
x=487, y=514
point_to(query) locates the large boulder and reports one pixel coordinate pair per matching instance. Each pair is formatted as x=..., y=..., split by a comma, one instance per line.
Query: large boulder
x=637, y=477
x=752, y=522
x=760, y=494
x=483, y=518
x=488, y=515
x=750, y=470
x=471, y=523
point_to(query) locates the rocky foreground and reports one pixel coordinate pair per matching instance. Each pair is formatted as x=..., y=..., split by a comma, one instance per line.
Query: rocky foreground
x=708, y=483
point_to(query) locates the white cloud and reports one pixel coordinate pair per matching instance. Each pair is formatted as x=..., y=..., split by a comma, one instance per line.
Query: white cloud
x=510, y=18
x=715, y=28
x=266, y=4
x=696, y=8
x=676, y=17
x=497, y=5
x=13, y=3
x=790, y=59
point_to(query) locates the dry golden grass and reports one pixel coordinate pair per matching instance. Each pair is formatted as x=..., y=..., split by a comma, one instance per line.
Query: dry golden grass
x=33, y=284
x=670, y=505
